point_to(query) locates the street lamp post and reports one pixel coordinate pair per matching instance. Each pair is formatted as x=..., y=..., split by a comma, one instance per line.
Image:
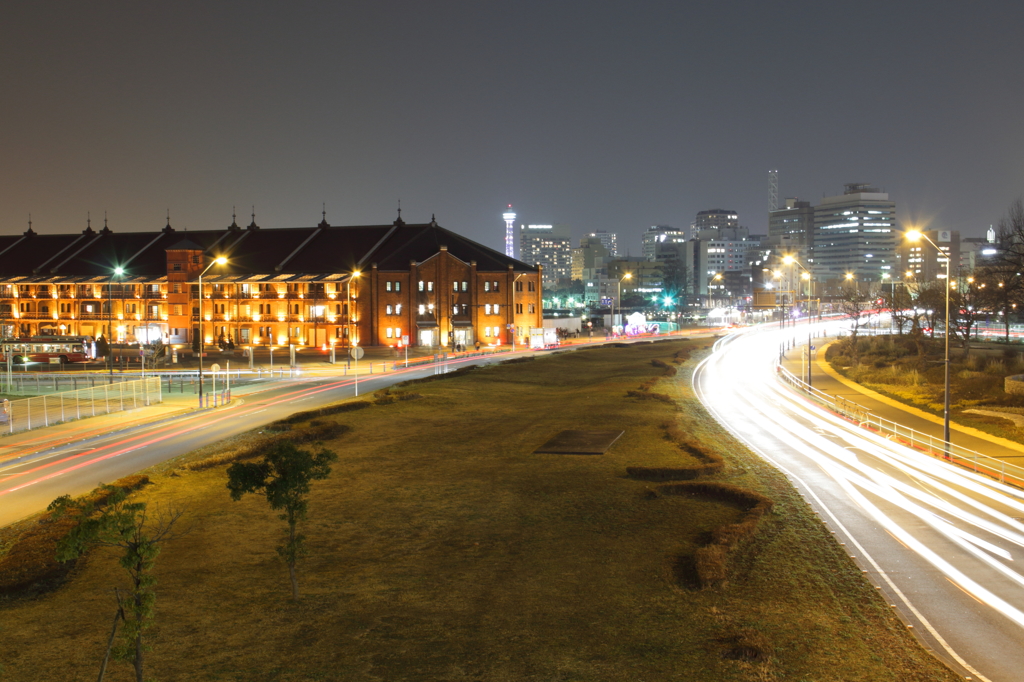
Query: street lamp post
x=110, y=318
x=202, y=328
x=805, y=276
x=618, y=299
x=915, y=235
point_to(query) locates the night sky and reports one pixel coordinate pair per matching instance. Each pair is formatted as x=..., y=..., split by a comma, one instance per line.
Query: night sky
x=600, y=115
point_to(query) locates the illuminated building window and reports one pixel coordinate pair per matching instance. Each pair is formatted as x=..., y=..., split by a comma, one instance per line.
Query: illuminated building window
x=398, y=309
x=390, y=310
x=423, y=309
x=430, y=286
x=388, y=332
x=421, y=285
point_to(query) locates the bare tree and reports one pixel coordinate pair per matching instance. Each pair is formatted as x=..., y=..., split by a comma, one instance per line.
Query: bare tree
x=1001, y=289
x=898, y=302
x=852, y=303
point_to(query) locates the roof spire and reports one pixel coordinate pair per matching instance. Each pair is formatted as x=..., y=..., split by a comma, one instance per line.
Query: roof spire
x=88, y=220
x=234, y=221
x=29, y=232
x=325, y=211
x=253, y=225
x=324, y=223
x=105, y=230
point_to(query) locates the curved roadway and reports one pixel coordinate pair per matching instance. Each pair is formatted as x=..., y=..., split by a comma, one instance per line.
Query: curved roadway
x=942, y=544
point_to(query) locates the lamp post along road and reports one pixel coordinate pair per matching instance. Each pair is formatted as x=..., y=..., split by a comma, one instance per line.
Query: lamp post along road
x=110, y=319
x=915, y=235
x=618, y=299
x=202, y=327
x=806, y=276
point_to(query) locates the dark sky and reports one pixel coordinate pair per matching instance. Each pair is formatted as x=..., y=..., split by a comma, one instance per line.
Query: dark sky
x=600, y=115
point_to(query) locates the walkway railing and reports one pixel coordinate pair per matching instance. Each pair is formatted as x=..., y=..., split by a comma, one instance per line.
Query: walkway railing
x=936, y=447
x=54, y=408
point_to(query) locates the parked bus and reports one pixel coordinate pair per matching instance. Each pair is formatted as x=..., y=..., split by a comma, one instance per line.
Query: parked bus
x=43, y=348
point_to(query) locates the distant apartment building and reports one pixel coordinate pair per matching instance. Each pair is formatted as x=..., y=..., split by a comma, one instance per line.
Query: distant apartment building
x=855, y=233
x=660, y=234
x=549, y=246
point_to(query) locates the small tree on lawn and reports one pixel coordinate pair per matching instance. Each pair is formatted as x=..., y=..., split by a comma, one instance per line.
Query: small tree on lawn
x=852, y=303
x=125, y=526
x=284, y=477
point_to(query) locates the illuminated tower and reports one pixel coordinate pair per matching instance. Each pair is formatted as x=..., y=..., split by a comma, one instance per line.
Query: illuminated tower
x=510, y=232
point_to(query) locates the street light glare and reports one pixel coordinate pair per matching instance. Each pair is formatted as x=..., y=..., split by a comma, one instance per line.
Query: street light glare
x=788, y=260
x=914, y=235
x=220, y=261
x=118, y=271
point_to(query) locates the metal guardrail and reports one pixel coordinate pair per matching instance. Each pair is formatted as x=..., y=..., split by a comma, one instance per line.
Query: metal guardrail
x=936, y=447
x=54, y=408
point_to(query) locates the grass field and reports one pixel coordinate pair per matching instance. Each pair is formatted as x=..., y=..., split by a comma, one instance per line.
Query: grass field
x=443, y=549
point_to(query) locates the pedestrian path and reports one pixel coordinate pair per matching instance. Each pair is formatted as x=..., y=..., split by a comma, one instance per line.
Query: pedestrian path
x=827, y=380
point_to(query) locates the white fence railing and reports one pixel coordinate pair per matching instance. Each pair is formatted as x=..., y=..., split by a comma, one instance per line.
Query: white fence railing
x=937, y=447
x=54, y=408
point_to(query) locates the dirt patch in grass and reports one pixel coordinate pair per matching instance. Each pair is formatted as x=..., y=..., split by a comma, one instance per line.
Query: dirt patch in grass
x=442, y=548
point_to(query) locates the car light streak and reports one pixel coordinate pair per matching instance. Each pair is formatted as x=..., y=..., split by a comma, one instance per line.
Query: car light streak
x=961, y=523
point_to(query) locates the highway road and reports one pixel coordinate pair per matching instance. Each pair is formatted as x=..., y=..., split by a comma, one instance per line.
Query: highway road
x=942, y=544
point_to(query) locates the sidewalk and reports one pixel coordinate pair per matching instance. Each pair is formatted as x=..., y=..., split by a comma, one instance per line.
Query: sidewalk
x=826, y=379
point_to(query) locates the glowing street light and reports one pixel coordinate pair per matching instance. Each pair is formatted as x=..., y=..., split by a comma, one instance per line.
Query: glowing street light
x=914, y=236
x=202, y=333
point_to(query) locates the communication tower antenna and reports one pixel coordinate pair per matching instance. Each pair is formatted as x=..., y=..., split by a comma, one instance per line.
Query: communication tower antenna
x=773, y=190
x=510, y=231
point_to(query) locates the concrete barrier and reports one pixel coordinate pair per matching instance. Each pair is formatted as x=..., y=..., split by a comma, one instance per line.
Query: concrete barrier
x=1014, y=385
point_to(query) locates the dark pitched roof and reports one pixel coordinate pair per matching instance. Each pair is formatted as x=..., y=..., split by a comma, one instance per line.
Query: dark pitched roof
x=323, y=249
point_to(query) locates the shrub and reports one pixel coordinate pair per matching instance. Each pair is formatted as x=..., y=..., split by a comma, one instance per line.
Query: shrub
x=311, y=434
x=338, y=408
x=462, y=371
x=711, y=462
x=30, y=566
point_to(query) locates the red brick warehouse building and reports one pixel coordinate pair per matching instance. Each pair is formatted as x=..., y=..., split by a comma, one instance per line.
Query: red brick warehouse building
x=308, y=286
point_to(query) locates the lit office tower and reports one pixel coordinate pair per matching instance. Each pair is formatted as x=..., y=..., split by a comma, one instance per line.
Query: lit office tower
x=510, y=231
x=609, y=240
x=855, y=233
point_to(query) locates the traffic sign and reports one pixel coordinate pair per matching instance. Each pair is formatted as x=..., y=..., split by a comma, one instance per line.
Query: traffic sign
x=356, y=353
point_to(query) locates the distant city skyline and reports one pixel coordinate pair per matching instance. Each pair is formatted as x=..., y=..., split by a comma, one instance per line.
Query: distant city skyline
x=591, y=114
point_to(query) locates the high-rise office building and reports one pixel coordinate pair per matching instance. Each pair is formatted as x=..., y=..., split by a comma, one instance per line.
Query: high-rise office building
x=549, y=246
x=855, y=233
x=791, y=229
x=609, y=240
x=714, y=219
x=660, y=234
x=584, y=256
x=922, y=262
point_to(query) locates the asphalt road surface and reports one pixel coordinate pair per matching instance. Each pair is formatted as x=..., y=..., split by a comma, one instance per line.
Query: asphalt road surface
x=941, y=543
